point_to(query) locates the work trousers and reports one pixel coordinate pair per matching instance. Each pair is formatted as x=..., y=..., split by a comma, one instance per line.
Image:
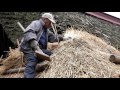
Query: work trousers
x=32, y=61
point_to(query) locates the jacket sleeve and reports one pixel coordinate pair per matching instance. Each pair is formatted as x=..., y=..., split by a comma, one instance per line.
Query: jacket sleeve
x=52, y=38
x=30, y=35
x=31, y=32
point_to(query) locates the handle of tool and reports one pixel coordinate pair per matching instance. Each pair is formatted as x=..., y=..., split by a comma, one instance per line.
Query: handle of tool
x=20, y=25
x=55, y=31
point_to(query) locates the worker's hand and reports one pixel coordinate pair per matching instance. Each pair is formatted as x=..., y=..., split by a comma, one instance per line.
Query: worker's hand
x=52, y=46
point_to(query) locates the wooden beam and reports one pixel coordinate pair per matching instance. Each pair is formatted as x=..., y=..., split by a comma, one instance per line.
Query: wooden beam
x=115, y=59
x=39, y=68
x=104, y=16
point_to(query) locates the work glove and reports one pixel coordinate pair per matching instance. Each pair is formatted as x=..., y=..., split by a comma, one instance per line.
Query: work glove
x=34, y=45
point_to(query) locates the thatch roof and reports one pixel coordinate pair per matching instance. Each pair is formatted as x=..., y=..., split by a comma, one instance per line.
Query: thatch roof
x=83, y=56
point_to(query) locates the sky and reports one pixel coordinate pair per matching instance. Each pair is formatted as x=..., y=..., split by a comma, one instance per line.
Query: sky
x=116, y=14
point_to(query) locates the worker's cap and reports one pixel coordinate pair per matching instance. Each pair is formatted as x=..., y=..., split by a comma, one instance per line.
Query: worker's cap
x=49, y=16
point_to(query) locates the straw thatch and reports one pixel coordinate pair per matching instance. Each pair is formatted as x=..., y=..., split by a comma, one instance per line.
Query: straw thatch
x=14, y=60
x=83, y=56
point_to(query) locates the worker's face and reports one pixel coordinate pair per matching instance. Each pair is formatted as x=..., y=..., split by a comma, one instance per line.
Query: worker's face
x=47, y=23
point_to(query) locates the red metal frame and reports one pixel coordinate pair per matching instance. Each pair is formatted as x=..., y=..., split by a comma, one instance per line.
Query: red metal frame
x=105, y=16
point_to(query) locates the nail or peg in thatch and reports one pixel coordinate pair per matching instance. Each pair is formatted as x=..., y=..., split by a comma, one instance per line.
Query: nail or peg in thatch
x=1, y=59
x=39, y=68
x=10, y=49
x=115, y=59
x=18, y=43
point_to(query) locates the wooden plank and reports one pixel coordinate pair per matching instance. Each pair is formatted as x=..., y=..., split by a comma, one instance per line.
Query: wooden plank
x=42, y=56
x=115, y=59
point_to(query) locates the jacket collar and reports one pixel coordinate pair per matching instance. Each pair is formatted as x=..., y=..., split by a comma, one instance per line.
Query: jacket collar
x=41, y=21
